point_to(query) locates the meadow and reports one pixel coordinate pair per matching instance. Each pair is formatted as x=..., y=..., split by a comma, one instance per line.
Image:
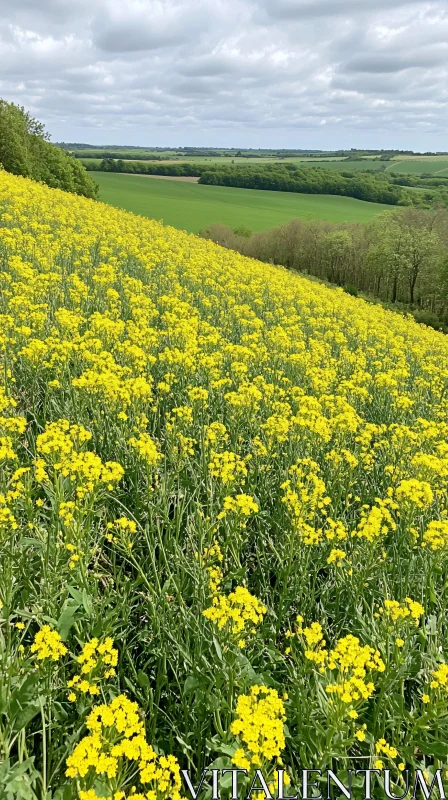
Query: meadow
x=433, y=166
x=223, y=515
x=407, y=165
x=327, y=163
x=192, y=207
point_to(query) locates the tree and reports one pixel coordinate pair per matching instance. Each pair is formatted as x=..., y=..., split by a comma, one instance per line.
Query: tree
x=337, y=254
x=405, y=252
x=25, y=150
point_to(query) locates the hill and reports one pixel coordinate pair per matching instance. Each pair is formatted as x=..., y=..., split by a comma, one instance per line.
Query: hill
x=223, y=513
x=192, y=207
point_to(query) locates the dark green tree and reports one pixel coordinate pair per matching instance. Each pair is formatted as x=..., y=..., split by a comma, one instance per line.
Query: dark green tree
x=25, y=150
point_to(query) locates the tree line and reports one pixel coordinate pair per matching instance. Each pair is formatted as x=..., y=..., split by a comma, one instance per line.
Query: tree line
x=25, y=150
x=373, y=186
x=180, y=169
x=107, y=155
x=401, y=257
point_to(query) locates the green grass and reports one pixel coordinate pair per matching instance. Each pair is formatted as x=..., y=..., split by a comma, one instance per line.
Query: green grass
x=336, y=162
x=435, y=166
x=344, y=166
x=190, y=206
x=326, y=162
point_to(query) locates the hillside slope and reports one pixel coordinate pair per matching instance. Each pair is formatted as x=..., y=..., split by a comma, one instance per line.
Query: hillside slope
x=223, y=502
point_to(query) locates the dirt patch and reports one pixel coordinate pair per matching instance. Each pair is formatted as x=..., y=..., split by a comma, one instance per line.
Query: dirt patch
x=187, y=178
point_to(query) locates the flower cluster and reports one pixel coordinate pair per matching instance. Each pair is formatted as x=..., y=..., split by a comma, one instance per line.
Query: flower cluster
x=228, y=467
x=408, y=610
x=435, y=536
x=60, y=447
x=259, y=727
x=48, y=644
x=383, y=748
x=115, y=740
x=347, y=667
x=242, y=504
x=239, y=613
x=146, y=449
x=212, y=558
x=98, y=660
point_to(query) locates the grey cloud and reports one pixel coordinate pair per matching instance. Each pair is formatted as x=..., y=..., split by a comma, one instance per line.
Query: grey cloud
x=148, y=26
x=125, y=37
x=302, y=9
x=387, y=62
x=256, y=72
x=210, y=65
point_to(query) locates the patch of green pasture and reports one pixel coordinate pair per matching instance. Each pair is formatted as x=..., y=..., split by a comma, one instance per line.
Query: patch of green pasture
x=191, y=206
x=419, y=166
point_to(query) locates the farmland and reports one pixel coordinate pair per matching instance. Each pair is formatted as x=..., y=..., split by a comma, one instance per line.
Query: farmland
x=327, y=163
x=192, y=207
x=223, y=513
x=433, y=166
x=402, y=164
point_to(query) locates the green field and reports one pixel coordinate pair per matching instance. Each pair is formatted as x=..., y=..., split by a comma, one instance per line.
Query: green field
x=434, y=166
x=191, y=207
x=414, y=166
x=326, y=163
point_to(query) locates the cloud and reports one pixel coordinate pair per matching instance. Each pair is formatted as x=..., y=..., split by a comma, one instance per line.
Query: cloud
x=302, y=9
x=298, y=73
x=388, y=62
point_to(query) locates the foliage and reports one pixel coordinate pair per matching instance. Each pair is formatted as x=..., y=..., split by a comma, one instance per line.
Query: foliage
x=223, y=513
x=374, y=187
x=25, y=150
x=400, y=257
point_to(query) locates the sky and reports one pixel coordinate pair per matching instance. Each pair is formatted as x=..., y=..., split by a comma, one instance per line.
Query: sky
x=231, y=73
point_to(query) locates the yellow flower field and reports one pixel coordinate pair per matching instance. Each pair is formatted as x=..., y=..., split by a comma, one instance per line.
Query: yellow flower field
x=223, y=514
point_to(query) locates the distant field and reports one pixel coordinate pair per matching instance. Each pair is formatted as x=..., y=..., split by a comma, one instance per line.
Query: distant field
x=333, y=163
x=436, y=165
x=421, y=158
x=349, y=166
x=170, y=159
x=191, y=207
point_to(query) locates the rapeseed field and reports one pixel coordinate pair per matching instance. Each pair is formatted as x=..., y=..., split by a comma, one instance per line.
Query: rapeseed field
x=223, y=514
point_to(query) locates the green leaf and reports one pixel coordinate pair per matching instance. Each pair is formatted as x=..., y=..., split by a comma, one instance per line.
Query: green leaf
x=228, y=750
x=76, y=594
x=217, y=648
x=63, y=793
x=437, y=749
x=67, y=619
x=191, y=683
x=22, y=696
x=25, y=715
x=87, y=602
x=143, y=679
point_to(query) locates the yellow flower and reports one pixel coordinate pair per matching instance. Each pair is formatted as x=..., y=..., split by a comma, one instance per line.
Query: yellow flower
x=239, y=612
x=48, y=644
x=336, y=555
x=259, y=726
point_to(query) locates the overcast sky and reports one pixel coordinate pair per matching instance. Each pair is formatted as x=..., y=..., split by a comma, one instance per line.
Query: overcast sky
x=253, y=73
